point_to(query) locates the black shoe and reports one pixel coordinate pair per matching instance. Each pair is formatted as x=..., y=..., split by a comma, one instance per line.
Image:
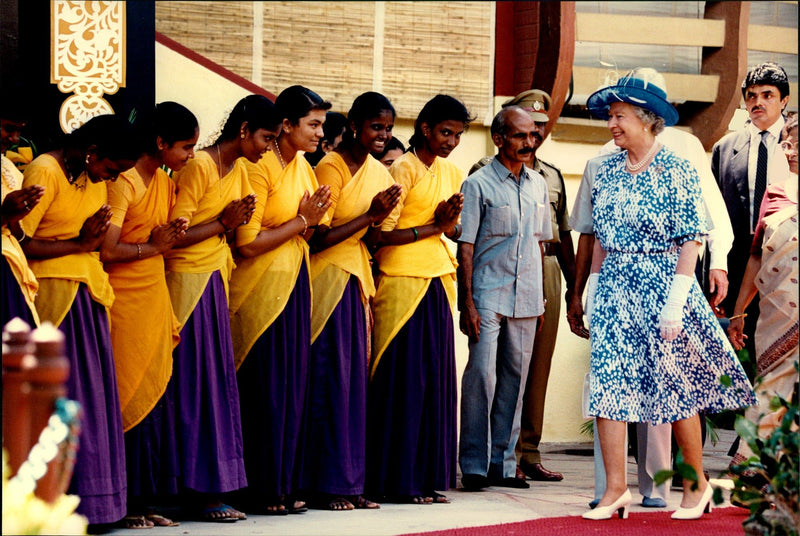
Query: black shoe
x=510, y=482
x=474, y=482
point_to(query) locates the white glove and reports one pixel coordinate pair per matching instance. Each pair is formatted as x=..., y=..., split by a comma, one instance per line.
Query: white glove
x=591, y=288
x=670, y=322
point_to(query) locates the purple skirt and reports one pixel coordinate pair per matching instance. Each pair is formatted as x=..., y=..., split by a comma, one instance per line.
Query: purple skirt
x=14, y=304
x=203, y=387
x=151, y=452
x=336, y=412
x=411, y=405
x=99, y=477
x=273, y=381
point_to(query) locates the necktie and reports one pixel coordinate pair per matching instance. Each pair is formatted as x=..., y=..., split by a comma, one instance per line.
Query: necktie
x=761, y=177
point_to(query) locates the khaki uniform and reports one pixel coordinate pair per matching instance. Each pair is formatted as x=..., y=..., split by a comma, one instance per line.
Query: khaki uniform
x=536, y=385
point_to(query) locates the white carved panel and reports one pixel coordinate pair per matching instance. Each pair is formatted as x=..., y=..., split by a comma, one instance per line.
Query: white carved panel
x=87, y=57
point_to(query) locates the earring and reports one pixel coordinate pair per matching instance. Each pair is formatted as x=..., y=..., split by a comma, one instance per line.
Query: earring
x=87, y=159
x=242, y=135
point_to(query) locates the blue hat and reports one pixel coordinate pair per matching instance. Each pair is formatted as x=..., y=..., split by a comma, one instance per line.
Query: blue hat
x=643, y=87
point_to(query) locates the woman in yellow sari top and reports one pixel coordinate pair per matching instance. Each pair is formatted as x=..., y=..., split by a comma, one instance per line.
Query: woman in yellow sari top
x=140, y=200
x=362, y=195
x=271, y=302
x=411, y=409
x=215, y=197
x=65, y=229
x=19, y=283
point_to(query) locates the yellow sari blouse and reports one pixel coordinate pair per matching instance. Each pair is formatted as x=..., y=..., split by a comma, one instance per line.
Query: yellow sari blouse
x=12, y=251
x=331, y=268
x=202, y=196
x=406, y=271
x=261, y=285
x=144, y=329
x=60, y=214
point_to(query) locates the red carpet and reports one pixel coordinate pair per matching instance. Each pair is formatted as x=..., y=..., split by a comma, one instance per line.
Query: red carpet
x=721, y=522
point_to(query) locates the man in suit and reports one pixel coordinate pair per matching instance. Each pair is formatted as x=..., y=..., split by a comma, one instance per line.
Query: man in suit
x=744, y=163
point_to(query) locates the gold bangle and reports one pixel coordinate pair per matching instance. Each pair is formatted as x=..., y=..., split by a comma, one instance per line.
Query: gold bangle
x=305, y=224
x=734, y=317
x=138, y=251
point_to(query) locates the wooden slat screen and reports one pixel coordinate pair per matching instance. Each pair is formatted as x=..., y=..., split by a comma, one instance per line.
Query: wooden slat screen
x=429, y=47
x=220, y=31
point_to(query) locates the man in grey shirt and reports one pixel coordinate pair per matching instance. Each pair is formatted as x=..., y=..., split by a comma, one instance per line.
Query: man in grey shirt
x=505, y=217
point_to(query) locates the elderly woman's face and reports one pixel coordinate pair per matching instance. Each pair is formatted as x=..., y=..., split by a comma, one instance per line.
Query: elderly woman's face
x=625, y=126
x=789, y=146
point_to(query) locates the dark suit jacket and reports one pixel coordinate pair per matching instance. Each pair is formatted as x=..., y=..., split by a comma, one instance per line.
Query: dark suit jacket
x=729, y=165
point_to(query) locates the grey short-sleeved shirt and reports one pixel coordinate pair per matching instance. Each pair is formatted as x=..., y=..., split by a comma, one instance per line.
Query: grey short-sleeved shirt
x=581, y=219
x=505, y=220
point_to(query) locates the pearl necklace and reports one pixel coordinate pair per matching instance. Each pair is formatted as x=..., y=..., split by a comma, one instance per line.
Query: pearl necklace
x=638, y=166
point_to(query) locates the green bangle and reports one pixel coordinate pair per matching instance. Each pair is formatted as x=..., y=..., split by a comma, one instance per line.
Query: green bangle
x=416, y=234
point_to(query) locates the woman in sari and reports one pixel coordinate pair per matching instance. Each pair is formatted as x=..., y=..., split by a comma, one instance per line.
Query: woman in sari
x=772, y=271
x=362, y=195
x=19, y=283
x=139, y=234
x=215, y=197
x=66, y=228
x=271, y=302
x=411, y=404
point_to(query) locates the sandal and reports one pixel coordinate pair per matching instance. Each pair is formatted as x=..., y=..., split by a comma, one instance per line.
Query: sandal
x=295, y=506
x=276, y=509
x=438, y=498
x=160, y=521
x=135, y=522
x=222, y=513
x=338, y=504
x=362, y=503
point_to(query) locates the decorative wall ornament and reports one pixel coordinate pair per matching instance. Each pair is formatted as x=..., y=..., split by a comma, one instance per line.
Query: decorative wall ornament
x=87, y=57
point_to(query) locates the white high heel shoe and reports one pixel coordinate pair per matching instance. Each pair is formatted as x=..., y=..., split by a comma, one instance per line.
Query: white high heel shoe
x=696, y=512
x=606, y=512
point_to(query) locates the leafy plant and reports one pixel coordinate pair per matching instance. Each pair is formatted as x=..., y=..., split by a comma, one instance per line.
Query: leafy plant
x=768, y=483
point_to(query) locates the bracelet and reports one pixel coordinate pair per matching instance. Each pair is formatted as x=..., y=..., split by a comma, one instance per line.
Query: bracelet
x=24, y=235
x=305, y=224
x=375, y=224
x=734, y=317
x=223, y=225
x=138, y=251
x=416, y=234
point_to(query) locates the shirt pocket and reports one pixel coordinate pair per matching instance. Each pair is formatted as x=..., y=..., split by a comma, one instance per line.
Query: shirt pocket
x=497, y=221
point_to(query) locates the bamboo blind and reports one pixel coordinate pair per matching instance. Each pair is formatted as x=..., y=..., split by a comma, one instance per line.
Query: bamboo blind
x=220, y=31
x=438, y=47
x=325, y=46
x=429, y=47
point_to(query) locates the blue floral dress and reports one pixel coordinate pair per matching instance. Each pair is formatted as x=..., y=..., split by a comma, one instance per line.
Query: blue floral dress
x=636, y=376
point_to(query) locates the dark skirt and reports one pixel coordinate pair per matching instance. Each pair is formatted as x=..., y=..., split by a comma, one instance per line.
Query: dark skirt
x=203, y=386
x=335, y=421
x=13, y=301
x=411, y=405
x=273, y=381
x=99, y=477
x=151, y=452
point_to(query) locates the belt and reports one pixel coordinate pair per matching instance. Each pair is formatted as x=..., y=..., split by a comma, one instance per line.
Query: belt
x=550, y=248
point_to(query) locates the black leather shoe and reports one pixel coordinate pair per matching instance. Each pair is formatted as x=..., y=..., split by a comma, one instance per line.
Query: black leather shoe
x=474, y=482
x=535, y=471
x=510, y=482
